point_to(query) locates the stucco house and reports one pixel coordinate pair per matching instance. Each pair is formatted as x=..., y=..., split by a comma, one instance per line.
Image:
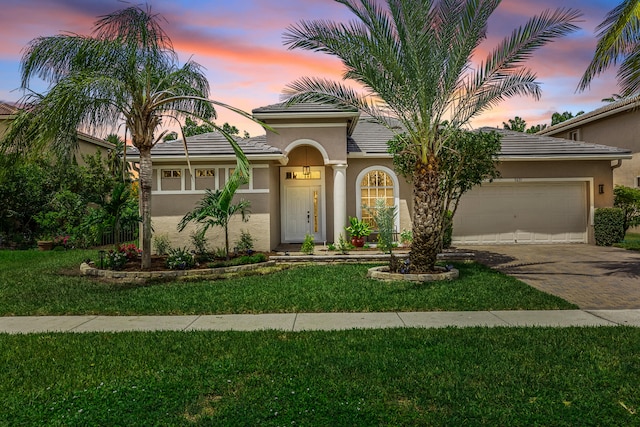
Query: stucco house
x=617, y=124
x=87, y=144
x=322, y=164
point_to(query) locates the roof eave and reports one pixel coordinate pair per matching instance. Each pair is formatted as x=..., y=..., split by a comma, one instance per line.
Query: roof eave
x=520, y=158
x=209, y=158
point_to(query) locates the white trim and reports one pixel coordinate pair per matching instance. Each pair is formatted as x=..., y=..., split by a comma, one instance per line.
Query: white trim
x=308, y=115
x=218, y=167
x=302, y=142
x=308, y=125
x=396, y=191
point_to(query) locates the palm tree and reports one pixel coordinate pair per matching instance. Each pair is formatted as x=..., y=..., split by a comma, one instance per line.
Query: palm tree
x=413, y=58
x=126, y=71
x=216, y=210
x=117, y=159
x=619, y=40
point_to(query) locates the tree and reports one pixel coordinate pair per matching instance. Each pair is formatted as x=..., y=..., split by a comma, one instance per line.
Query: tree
x=517, y=124
x=117, y=159
x=127, y=70
x=191, y=127
x=216, y=210
x=618, y=41
x=413, y=59
x=561, y=117
x=468, y=159
x=537, y=128
x=628, y=199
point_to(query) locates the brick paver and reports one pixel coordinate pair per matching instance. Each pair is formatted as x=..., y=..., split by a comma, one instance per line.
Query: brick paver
x=591, y=277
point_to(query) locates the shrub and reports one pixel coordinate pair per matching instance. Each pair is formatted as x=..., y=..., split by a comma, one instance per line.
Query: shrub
x=245, y=243
x=180, y=259
x=628, y=199
x=114, y=260
x=343, y=246
x=308, y=245
x=608, y=226
x=161, y=244
x=199, y=242
x=247, y=259
x=130, y=251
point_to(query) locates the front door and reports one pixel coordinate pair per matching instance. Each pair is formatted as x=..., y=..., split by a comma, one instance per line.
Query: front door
x=302, y=209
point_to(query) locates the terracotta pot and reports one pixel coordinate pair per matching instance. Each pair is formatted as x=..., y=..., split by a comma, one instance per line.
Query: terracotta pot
x=45, y=245
x=358, y=242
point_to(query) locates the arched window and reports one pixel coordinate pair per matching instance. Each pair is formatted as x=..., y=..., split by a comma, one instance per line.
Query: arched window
x=376, y=183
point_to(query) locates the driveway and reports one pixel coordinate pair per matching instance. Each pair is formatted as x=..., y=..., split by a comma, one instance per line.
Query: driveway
x=592, y=277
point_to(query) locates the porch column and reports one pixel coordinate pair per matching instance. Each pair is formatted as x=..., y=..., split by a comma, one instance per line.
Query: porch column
x=339, y=200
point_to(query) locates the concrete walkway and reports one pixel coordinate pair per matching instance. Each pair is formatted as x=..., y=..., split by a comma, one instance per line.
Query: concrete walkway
x=319, y=321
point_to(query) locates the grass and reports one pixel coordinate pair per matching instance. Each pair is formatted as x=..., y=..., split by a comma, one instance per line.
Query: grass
x=631, y=242
x=471, y=376
x=31, y=284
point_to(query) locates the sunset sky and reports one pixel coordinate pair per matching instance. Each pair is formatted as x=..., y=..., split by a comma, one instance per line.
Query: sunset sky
x=239, y=43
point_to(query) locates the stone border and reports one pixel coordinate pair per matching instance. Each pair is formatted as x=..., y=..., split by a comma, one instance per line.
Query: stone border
x=87, y=270
x=382, y=273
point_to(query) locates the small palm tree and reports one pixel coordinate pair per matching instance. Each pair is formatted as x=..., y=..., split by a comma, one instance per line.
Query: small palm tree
x=126, y=71
x=619, y=41
x=117, y=159
x=216, y=210
x=413, y=58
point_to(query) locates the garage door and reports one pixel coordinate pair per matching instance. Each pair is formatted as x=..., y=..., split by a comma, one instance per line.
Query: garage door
x=523, y=213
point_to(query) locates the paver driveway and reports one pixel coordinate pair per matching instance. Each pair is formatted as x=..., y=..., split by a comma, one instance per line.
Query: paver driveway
x=591, y=277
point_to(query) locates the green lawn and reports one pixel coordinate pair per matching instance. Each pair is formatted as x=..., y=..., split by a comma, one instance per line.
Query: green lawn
x=469, y=376
x=31, y=283
x=631, y=242
x=448, y=377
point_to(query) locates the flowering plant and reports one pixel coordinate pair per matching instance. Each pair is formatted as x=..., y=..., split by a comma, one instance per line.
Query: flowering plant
x=130, y=251
x=180, y=259
x=115, y=260
x=64, y=241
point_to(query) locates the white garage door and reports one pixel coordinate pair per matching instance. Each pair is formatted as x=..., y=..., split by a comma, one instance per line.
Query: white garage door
x=523, y=213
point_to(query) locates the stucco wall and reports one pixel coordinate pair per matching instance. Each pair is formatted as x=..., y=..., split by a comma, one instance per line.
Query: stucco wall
x=600, y=170
x=257, y=226
x=618, y=130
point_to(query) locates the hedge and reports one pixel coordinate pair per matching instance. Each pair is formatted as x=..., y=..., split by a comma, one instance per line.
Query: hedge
x=608, y=226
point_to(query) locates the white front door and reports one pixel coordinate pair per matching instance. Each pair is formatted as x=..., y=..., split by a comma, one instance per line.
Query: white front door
x=302, y=209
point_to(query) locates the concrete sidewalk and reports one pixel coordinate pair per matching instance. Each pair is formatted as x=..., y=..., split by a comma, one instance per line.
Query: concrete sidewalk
x=319, y=321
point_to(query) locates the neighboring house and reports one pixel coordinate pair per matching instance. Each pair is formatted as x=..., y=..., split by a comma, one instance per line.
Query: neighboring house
x=87, y=144
x=322, y=164
x=616, y=124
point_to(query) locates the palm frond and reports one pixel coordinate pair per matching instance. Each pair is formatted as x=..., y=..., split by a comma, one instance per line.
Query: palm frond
x=619, y=36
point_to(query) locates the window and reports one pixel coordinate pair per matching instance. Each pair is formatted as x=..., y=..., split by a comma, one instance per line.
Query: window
x=375, y=184
x=574, y=135
x=171, y=173
x=638, y=181
x=204, y=173
x=204, y=179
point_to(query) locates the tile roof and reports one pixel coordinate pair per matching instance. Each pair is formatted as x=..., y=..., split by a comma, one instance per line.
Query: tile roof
x=612, y=108
x=7, y=109
x=370, y=137
x=524, y=145
x=304, y=107
x=210, y=144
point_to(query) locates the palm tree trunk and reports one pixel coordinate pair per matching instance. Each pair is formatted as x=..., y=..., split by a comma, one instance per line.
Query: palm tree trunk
x=146, y=172
x=427, y=217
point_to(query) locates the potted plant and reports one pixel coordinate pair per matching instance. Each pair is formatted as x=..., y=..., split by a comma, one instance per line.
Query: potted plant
x=45, y=242
x=358, y=230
